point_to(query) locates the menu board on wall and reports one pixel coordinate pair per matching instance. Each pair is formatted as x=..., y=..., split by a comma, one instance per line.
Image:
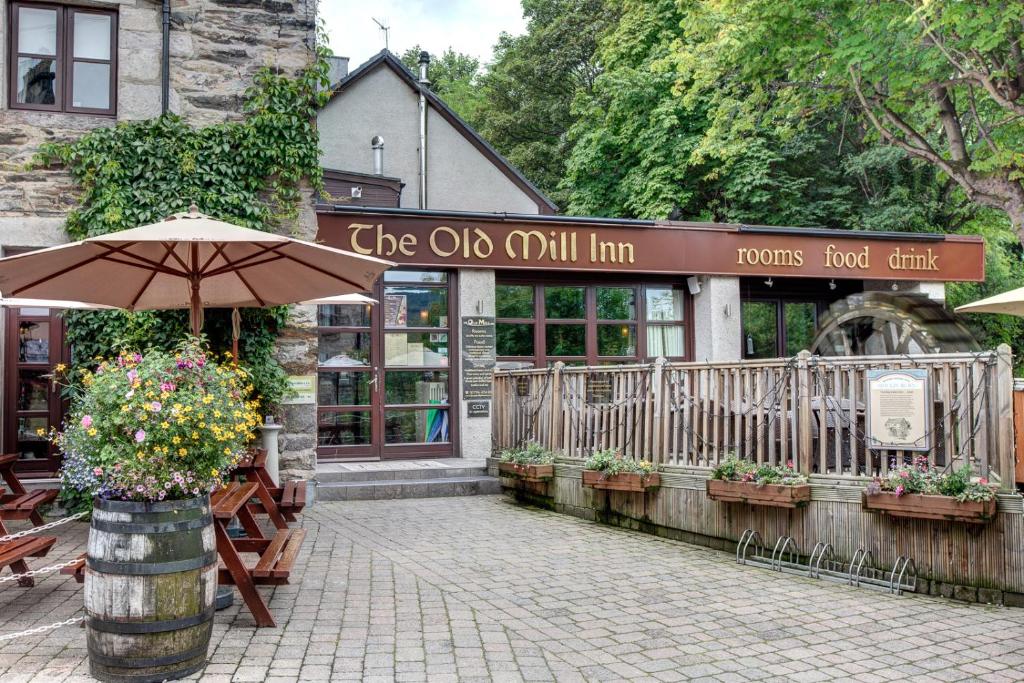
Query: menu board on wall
x=898, y=411
x=396, y=310
x=477, y=357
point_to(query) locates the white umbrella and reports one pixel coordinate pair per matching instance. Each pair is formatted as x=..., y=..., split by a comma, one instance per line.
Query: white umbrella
x=189, y=261
x=1010, y=303
x=341, y=299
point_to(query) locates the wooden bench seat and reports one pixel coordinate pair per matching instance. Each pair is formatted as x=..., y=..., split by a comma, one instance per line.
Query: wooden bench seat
x=276, y=558
x=15, y=506
x=293, y=497
x=76, y=570
x=13, y=554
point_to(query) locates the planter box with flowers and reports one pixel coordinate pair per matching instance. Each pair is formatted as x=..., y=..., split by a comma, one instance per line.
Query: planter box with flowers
x=150, y=437
x=923, y=492
x=740, y=481
x=607, y=470
x=527, y=470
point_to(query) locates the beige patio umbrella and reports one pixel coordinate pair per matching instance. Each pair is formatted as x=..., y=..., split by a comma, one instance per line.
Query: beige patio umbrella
x=188, y=260
x=7, y=302
x=342, y=299
x=1010, y=303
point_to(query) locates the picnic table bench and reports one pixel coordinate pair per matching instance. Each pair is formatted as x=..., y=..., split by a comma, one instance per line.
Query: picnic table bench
x=21, y=503
x=13, y=554
x=276, y=555
x=289, y=500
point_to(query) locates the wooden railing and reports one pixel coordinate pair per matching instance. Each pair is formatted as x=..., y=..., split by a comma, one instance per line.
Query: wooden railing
x=807, y=410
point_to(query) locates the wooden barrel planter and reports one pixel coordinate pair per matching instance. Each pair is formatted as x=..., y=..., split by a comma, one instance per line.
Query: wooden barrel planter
x=150, y=589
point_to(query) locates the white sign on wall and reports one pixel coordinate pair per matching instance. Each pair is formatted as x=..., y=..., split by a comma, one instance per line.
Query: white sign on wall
x=899, y=410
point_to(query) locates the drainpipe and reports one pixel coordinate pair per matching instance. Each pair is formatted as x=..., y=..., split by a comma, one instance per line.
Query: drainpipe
x=424, y=84
x=377, y=143
x=165, y=73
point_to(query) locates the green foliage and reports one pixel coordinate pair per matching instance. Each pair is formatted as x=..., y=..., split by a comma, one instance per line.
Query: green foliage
x=920, y=477
x=455, y=77
x=529, y=88
x=611, y=462
x=533, y=454
x=249, y=172
x=734, y=469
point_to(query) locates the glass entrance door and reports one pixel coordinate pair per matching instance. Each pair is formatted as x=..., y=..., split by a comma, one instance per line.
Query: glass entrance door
x=384, y=375
x=33, y=404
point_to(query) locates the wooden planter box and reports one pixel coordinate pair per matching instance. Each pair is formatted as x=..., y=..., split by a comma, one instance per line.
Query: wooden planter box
x=626, y=481
x=773, y=495
x=924, y=506
x=533, y=473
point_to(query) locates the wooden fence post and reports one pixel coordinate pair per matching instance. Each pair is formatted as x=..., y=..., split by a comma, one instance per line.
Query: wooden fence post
x=556, y=438
x=657, y=440
x=1004, y=417
x=804, y=435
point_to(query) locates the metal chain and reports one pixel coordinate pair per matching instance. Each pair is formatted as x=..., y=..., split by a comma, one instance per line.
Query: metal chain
x=41, y=629
x=45, y=527
x=41, y=570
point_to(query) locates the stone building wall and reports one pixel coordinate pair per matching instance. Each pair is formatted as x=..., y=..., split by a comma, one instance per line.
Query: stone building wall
x=216, y=46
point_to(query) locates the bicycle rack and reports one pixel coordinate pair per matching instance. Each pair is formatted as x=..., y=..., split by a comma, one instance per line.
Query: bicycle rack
x=822, y=563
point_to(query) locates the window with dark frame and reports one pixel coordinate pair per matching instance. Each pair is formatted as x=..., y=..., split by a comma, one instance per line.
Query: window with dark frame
x=62, y=58
x=589, y=324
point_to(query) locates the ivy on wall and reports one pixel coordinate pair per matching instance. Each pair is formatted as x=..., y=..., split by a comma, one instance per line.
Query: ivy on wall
x=248, y=172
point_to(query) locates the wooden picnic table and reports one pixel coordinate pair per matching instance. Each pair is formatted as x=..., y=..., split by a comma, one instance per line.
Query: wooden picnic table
x=254, y=470
x=289, y=500
x=21, y=503
x=276, y=555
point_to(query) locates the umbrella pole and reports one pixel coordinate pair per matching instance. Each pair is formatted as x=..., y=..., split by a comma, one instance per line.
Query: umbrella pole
x=196, y=315
x=236, y=330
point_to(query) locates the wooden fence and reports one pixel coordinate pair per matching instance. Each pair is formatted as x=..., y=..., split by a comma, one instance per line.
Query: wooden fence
x=808, y=410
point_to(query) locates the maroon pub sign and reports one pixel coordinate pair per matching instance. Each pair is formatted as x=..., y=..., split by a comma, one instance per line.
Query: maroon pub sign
x=528, y=243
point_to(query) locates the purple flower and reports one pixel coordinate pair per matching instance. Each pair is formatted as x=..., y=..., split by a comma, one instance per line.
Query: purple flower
x=899, y=490
x=132, y=375
x=140, y=436
x=155, y=406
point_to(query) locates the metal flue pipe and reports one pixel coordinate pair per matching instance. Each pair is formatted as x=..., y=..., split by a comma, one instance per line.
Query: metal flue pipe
x=424, y=84
x=377, y=143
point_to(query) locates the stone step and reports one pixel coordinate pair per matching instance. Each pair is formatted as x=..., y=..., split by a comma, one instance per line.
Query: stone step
x=436, y=487
x=325, y=474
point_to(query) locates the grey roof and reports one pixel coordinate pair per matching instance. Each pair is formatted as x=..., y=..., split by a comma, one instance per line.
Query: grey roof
x=386, y=58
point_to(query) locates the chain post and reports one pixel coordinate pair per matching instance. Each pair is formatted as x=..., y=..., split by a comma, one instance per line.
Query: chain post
x=805, y=440
x=557, y=439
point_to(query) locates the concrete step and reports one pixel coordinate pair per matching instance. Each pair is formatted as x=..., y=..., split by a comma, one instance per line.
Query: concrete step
x=383, y=489
x=326, y=474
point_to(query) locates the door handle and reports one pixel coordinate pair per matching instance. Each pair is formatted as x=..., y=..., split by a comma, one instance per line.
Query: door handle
x=373, y=382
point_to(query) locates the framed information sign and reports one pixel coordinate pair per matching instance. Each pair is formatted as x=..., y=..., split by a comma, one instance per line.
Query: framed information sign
x=899, y=410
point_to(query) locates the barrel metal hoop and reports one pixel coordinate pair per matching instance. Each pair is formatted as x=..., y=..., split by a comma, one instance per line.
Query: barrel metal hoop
x=150, y=568
x=140, y=662
x=146, y=678
x=155, y=506
x=156, y=528
x=151, y=626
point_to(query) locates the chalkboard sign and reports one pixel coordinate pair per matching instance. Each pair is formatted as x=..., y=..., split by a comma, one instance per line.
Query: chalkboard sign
x=477, y=357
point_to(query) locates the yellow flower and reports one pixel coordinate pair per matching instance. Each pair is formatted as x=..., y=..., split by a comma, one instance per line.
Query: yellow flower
x=195, y=435
x=164, y=395
x=125, y=408
x=165, y=424
x=214, y=472
x=182, y=452
x=207, y=399
x=40, y=432
x=144, y=416
x=227, y=451
x=60, y=367
x=176, y=440
x=92, y=431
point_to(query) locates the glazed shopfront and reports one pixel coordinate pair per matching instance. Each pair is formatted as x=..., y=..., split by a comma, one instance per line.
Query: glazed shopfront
x=410, y=376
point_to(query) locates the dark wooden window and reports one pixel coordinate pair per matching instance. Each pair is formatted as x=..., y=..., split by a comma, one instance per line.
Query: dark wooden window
x=588, y=323
x=62, y=58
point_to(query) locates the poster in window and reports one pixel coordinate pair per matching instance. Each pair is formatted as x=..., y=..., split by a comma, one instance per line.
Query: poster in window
x=898, y=410
x=396, y=310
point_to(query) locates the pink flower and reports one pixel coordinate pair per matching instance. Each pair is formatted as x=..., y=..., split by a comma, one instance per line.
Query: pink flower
x=983, y=481
x=87, y=421
x=132, y=375
x=900, y=490
x=155, y=406
x=904, y=474
x=140, y=436
x=167, y=386
x=98, y=471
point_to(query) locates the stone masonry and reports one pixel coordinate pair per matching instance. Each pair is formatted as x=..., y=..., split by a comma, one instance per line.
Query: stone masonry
x=216, y=46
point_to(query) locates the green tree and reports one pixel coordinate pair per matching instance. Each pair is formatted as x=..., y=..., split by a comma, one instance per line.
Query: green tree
x=454, y=76
x=941, y=80
x=529, y=88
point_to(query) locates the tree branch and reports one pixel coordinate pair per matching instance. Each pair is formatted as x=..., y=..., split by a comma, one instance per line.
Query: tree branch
x=951, y=126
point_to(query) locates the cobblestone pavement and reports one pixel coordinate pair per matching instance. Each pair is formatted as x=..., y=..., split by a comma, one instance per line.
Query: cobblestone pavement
x=478, y=589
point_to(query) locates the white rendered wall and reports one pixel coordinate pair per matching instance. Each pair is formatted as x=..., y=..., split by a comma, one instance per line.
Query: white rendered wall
x=460, y=178
x=476, y=297
x=716, y=319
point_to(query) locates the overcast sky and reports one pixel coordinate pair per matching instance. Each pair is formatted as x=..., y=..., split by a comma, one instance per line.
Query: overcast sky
x=469, y=26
